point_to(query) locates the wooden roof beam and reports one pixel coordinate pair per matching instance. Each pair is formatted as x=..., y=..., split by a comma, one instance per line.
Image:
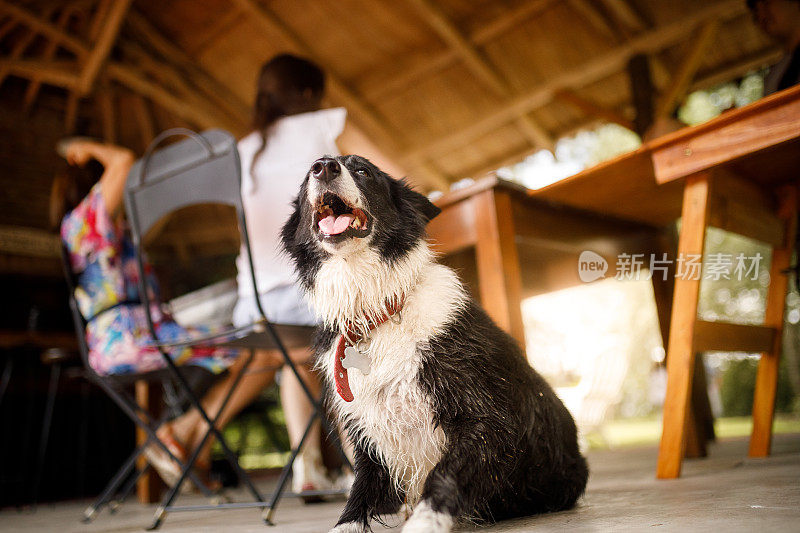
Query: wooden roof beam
x=588, y=72
x=688, y=68
x=22, y=45
x=633, y=24
x=110, y=27
x=45, y=28
x=176, y=83
x=139, y=83
x=212, y=87
x=750, y=63
x=58, y=73
x=446, y=30
x=9, y=24
x=595, y=19
x=434, y=62
x=726, y=73
x=369, y=119
x=479, y=65
x=593, y=109
x=625, y=14
x=49, y=52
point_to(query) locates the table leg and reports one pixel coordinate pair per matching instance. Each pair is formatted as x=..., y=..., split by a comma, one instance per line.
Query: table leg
x=499, y=277
x=767, y=377
x=149, y=487
x=680, y=354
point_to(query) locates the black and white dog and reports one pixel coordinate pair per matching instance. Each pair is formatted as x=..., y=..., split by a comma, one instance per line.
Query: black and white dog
x=444, y=411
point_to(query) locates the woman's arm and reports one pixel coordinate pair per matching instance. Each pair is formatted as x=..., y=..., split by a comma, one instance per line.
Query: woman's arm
x=116, y=161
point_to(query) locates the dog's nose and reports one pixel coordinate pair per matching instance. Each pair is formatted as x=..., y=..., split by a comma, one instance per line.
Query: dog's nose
x=326, y=169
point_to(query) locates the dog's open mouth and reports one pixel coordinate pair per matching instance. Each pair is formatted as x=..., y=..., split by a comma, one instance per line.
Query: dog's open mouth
x=337, y=220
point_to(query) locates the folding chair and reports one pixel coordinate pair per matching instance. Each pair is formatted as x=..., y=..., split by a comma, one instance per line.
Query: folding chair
x=204, y=169
x=118, y=389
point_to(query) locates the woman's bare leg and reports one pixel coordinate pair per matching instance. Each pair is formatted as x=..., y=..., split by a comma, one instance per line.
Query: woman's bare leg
x=190, y=427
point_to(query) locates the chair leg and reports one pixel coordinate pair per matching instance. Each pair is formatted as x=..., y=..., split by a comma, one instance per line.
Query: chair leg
x=112, y=486
x=164, y=507
x=52, y=390
x=287, y=468
x=680, y=356
x=6, y=378
x=767, y=377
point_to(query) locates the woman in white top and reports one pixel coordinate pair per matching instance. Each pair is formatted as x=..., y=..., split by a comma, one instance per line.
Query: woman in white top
x=289, y=133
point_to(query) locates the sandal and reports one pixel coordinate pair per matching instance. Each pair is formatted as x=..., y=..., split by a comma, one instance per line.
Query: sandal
x=167, y=468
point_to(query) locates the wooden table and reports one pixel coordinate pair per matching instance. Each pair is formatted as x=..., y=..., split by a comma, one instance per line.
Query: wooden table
x=737, y=172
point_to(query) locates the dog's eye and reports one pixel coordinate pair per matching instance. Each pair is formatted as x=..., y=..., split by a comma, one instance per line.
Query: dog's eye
x=362, y=172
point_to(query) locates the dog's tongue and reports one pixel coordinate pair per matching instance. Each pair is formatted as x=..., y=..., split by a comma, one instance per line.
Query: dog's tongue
x=333, y=225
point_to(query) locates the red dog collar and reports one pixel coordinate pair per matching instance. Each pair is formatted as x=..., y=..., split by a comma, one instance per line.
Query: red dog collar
x=352, y=338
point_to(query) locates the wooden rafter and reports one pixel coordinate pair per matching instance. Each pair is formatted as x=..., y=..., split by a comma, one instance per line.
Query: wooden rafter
x=35, y=83
x=56, y=72
x=173, y=55
x=479, y=65
x=715, y=77
x=435, y=62
x=112, y=21
x=174, y=82
x=19, y=48
x=44, y=27
x=593, y=109
x=139, y=83
x=9, y=24
x=750, y=63
x=683, y=76
x=629, y=19
x=591, y=71
x=595, y=18
x=630, y=24
x=362, y=113
x=98, y=21
x=223, y=25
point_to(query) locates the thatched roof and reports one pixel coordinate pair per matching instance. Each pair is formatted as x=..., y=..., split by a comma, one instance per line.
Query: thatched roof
x=444, y=89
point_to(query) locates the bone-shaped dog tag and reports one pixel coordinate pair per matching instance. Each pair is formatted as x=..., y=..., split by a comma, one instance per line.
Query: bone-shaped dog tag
x=355, y=359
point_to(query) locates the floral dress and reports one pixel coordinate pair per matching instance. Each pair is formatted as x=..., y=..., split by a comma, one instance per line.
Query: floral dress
x=117, y=334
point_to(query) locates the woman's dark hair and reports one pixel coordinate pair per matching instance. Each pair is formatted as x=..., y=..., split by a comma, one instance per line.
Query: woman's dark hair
x=287, y=85
x=71, y=185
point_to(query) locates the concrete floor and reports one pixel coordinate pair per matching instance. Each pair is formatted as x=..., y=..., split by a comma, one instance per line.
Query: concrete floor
x=725, y=492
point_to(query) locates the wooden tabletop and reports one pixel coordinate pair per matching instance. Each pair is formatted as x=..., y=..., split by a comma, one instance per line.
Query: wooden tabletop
x=760, y=142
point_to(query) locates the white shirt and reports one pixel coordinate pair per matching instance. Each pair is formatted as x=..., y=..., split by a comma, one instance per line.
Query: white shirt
x=293, y=144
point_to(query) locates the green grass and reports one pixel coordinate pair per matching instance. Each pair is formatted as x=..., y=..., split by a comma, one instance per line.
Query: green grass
x=647, y=431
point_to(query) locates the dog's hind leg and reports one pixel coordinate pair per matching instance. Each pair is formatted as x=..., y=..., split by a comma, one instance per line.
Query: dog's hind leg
x=372, y=494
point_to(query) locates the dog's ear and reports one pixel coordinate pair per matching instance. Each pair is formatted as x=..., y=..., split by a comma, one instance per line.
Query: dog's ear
x=418, y=202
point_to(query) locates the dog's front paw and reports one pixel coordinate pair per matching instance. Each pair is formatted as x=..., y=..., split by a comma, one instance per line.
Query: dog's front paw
x=426, y=520
x=349, y=527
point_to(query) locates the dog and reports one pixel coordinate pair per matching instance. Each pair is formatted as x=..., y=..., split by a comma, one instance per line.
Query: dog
x=443, y=409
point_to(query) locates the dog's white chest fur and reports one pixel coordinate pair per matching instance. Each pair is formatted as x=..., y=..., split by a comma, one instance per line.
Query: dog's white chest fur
x=392, y=413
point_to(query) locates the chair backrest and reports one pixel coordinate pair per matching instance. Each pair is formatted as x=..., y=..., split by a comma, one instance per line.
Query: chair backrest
x=78, y=320
x=204, y=168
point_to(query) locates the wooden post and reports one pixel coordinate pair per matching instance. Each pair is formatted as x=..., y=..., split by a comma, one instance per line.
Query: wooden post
x=496, y=253
x=149, y=486
x=642, y=92
x=680, y=354
x=767, y=377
